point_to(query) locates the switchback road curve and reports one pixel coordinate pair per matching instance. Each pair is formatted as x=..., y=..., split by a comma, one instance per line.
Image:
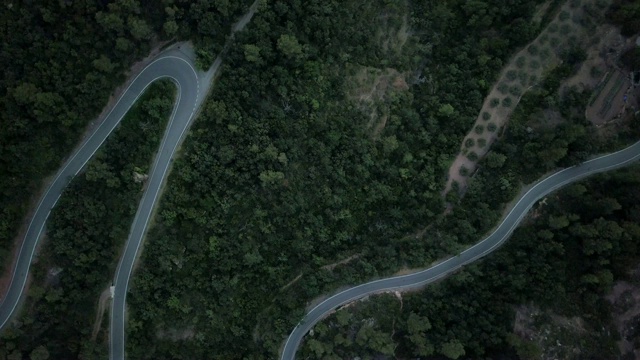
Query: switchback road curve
x=484, y=247
x=175, y=64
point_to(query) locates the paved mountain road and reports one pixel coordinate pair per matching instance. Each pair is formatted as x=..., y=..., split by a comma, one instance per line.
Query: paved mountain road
x=484, y=247
x=175, y=64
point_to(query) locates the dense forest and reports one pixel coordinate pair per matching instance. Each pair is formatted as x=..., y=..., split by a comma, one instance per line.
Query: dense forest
x=282, y=176
x=326, y=137
x=564, y=259
x=86, y=233
x=61, y=60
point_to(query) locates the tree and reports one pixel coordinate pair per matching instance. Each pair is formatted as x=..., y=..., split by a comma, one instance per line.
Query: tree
x=495, y=160
x=170, y=28
x=139, y=28
x=290, y=46
x=446, y=110
x=39, y=353
x=252, y=53
x=452, y=349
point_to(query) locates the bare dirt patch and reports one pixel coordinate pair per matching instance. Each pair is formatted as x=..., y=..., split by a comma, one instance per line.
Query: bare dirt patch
x=371, y=88
x=332, y=266
x=625, y=302
x=554, y=336
x=105, y=296
x=176, y=334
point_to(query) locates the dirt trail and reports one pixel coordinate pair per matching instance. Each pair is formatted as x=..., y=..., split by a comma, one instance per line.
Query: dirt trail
x=526, y=69
x=105, y=296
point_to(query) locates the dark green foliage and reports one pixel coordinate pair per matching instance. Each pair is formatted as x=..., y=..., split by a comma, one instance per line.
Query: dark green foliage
x=512, y=75
x=472, y=156
x=492, y=127
x=470, y=142
x=300, y=183
x=631, y=59
x=507, y=102
x=83, y=243
x=503, y=88
x=493, y=103
x=478, y=129
x=515, y=90
x=625, y=13
x=60, y=62
x=482, y=142
x=534, y=64
x=485, y=115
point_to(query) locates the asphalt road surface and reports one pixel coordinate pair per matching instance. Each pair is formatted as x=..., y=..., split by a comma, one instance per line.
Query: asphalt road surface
x=484, y=247
x=175, y=64
x=178, y=67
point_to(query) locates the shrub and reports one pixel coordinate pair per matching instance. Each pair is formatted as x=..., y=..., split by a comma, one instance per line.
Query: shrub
x=507, y=102
x=522, y=76
x=469, y=142
x=503, y=88
x=493, y=103
x=553, y=28
x=545, y=54
x=565, y=29
x=520, y=62
x=479, y=129
x=482, y=143
x=533, y=79
x=554, y=41
x=472, y=156
x=534, y=64
x=492, y=127
x=486, y=116
x=464, y=171
x=515, y=90
x=533, y=49
x=511, y=75
x=563, y=15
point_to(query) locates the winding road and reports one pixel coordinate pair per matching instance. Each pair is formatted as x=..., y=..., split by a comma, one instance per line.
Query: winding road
x=181, y=71
x=492, y=242
x=175, y=64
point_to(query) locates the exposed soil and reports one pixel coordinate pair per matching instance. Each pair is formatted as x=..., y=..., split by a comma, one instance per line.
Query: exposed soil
x=557, y=337
x=292, y=282
x=105, y=296
x=330, y=267
x=176, y=334
x=625, y=302
x=370, y=88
